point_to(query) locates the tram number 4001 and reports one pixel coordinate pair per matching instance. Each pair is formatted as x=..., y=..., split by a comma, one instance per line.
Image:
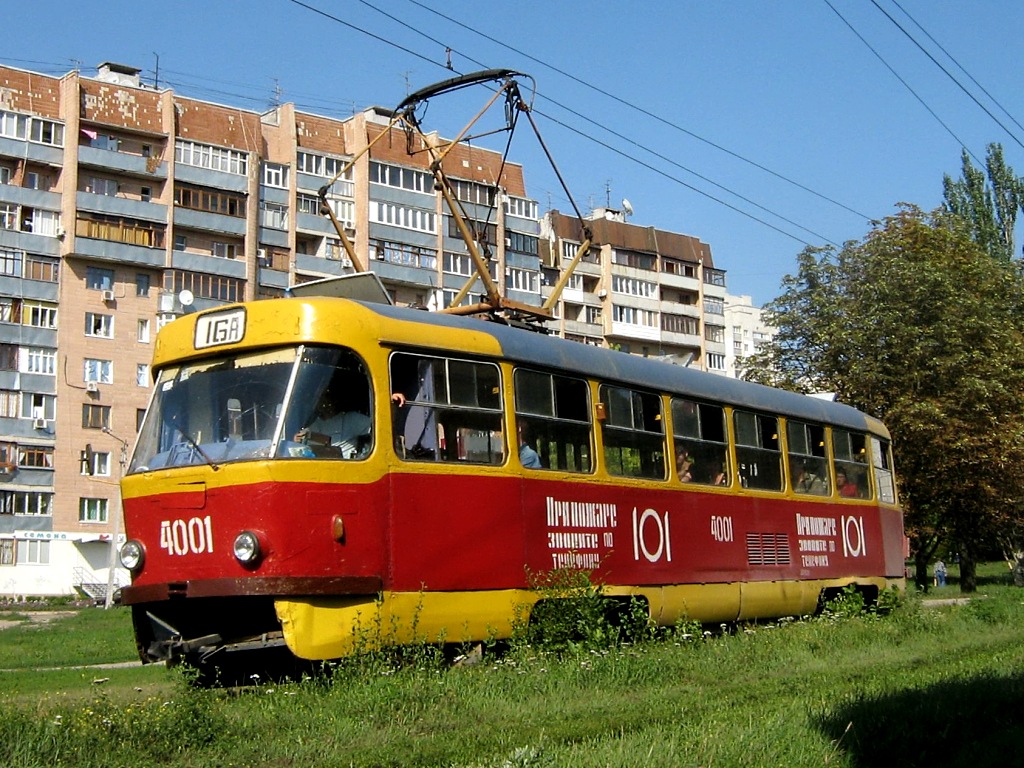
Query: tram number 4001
x=187, y=537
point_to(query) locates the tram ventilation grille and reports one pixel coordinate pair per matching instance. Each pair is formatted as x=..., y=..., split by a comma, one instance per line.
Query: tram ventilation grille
x=768, y=549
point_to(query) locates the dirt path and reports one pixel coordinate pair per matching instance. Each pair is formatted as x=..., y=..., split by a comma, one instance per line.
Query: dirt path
x=35, y=617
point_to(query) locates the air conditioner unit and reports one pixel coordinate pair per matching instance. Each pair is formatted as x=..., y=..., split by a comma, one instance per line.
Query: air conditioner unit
x=602, y=293
x=92, y=386
x=508, y=242
x=59, y=232
x=39, y=424
x=108, y=296
x=261, y=253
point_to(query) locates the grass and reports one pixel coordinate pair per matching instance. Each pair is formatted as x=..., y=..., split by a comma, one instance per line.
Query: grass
x=918, y=686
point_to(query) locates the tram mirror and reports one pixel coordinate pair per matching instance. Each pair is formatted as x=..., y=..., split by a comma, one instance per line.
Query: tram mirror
x=234, y=417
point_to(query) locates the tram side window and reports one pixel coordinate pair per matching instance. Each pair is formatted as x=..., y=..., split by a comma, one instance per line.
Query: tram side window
x=633, y=433
x=701, y=445
x=851, y=464
x=758, y=455
x=452, y=410
x=881, y=460
x=553, y=418
x=808, y=469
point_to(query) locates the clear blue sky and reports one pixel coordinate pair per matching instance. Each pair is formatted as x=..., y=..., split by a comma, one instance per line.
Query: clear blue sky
x=721, y=89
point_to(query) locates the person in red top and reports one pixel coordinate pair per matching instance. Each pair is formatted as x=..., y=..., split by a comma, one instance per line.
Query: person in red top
x=845, y=487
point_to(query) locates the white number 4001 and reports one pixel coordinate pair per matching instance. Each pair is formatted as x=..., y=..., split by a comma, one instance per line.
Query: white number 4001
x=187, y=537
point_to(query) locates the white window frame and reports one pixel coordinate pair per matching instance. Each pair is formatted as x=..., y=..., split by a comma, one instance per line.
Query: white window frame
x=98, y=325
x=93, y=510
x=38, y=360
x=99, y=371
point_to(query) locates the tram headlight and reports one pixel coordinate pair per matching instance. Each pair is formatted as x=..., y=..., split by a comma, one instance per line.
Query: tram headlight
x=247, y=548
x=132, y=554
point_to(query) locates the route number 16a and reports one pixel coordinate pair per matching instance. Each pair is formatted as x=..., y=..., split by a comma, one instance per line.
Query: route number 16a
x=187, y=537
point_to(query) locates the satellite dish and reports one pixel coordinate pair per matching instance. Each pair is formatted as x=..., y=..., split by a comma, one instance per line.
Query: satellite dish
x=186, y=298
x=627, y=207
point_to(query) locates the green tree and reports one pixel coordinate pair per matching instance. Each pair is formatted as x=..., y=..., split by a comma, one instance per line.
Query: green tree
x=916, y=324
x=988, y=207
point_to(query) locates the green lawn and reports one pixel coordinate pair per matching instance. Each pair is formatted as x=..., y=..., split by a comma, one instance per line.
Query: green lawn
x=921, y=686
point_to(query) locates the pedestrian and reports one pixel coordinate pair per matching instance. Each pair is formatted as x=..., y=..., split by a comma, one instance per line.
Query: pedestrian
x=940, y=573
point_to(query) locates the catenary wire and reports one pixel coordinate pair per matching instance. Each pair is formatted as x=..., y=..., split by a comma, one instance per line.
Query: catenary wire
x=948, y=74
x=593, y=139
x=904, y=82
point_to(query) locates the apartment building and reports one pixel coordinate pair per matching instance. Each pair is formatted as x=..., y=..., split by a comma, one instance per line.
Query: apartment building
x=748, y=332
x=638, y=289
x=123, y=206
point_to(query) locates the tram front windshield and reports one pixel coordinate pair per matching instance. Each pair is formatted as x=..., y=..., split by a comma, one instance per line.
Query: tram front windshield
x=252, y=406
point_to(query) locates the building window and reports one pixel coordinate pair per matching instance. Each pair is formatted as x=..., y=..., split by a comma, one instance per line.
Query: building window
x=100, y=371
x=402, y=216
x=715, y=333
x=46, y=132
x=10, y=260
x=9, y=355
x=13, y=125
x=36, y=405
x=39, y=315
x=33, y=552
x=142, y=375
x=205, y=286
x=99, y=325
x=401, y=178
x=225, y=250
x=36, y=456
x=29, y=503
x=97, y=186
x=680, y=324
x=141, y=284
x=8, y=216
x=99, y=279
x=95, y=416
x=211, y=201
x=634, y=316
x=630, y=286
x=7, y=553
x=458, y=264
x=524, y=209
x=39, y=360
x=716, y=362
x=714, y=305
x=92, y=510
x=211, y=157
x=273, y=215
x=522, y=280
x=714, y=277
x=95, y=463
x=42, y=268
x=404, y=254
x=275, y=175
x=143, y=332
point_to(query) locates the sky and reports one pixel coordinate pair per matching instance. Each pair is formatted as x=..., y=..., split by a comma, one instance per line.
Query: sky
x=758, y=127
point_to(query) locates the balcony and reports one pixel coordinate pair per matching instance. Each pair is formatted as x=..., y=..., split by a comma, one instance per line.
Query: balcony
x=110, y=205
x=122, y=162
x=209, y=222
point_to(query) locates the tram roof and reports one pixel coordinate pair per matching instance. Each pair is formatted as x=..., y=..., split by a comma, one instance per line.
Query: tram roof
x=573, y=357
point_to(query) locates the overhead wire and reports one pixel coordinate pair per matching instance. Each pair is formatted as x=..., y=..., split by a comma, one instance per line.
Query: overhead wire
x=450, y=49
x=905, y=84
x=948, y=74
x=642, y=110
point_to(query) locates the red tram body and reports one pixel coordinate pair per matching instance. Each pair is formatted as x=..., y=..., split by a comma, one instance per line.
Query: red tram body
x=244, y=539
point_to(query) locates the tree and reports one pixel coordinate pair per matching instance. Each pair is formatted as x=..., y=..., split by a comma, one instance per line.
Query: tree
x=990, y=210
x=919, y=326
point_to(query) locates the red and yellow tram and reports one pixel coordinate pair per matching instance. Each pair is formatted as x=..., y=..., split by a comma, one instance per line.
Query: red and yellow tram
x=310, y=468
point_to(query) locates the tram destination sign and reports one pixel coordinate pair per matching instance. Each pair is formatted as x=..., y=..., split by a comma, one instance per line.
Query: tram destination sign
x=219, y=328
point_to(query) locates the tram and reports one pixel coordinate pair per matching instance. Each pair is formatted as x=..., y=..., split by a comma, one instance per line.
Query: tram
x=312, y=467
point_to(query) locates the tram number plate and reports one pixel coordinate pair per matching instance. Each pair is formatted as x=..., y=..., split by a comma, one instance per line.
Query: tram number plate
x=219, y=328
